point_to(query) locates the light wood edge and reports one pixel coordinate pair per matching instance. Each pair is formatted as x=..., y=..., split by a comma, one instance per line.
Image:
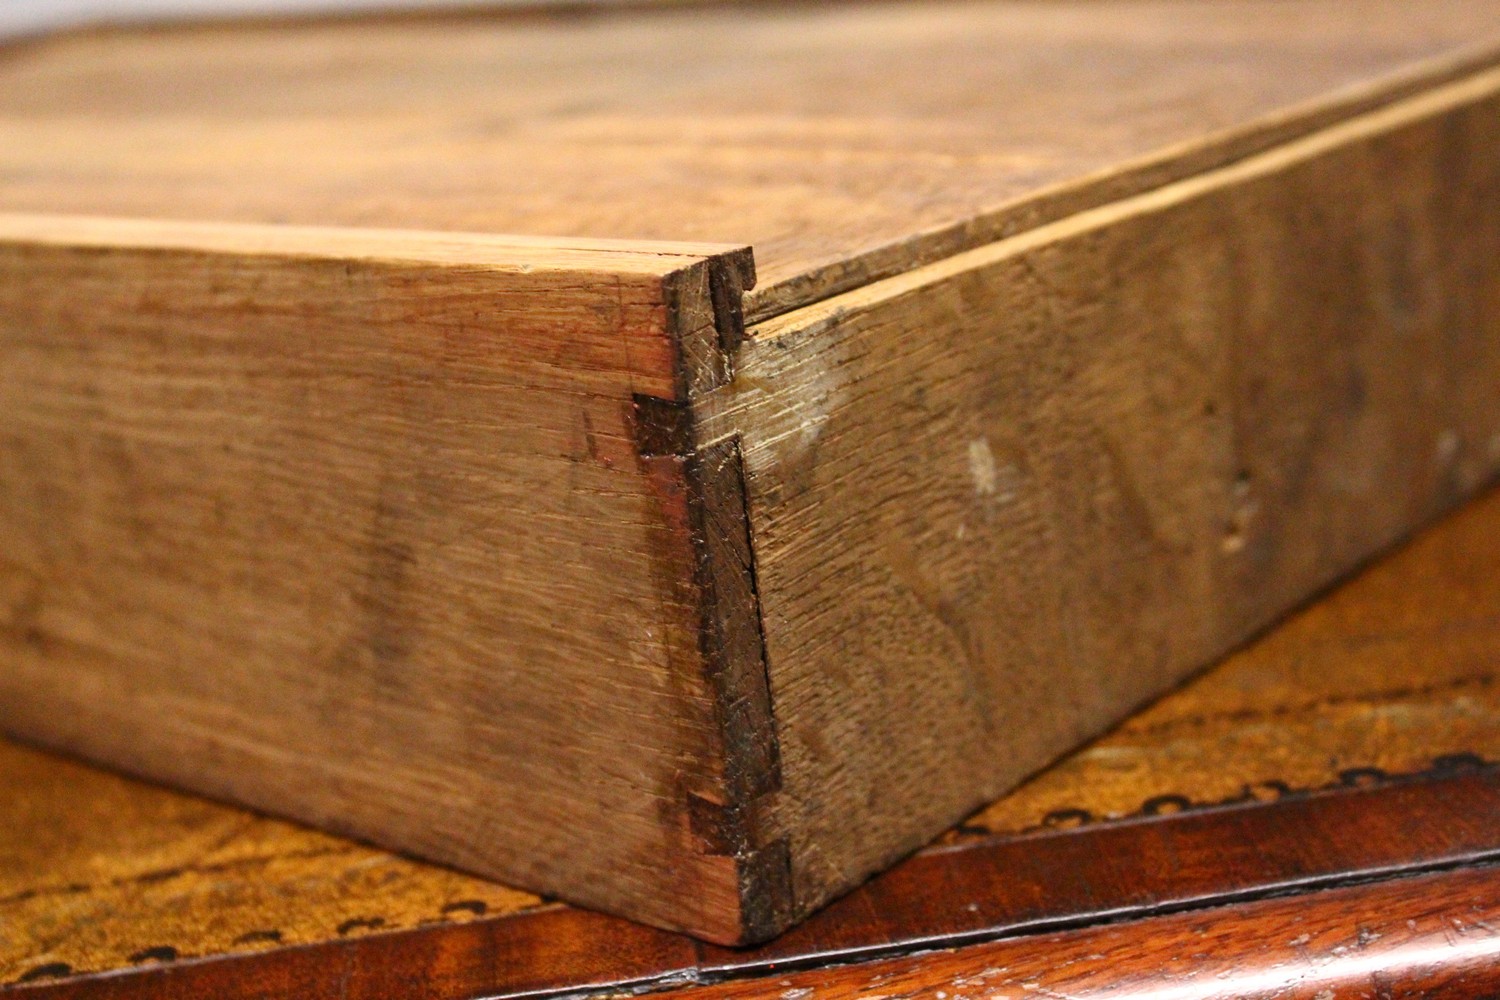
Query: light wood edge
x=494, y=251
x=829, y=313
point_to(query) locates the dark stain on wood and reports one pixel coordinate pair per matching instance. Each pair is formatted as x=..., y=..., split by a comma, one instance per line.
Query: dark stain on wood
x=48, y=970
x=360, y=924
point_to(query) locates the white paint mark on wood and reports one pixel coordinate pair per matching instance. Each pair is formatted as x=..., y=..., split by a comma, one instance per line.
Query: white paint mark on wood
x=1245, y=508
x=1447, y=446
x=996, y=481
x=982, y=466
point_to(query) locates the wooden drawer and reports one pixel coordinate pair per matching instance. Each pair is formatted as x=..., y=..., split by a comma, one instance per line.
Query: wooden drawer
x=1086, y=341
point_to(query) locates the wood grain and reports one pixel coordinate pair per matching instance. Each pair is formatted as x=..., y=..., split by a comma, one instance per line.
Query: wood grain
x=998, y=499
x=337, y=523
x=1392, y=670
x=844, y=141
x=514, y=552
x=1431, y=937
x=997, y=889
x=100, y=874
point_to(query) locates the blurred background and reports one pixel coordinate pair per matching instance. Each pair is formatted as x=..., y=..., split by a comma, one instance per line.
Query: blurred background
x=27, y=16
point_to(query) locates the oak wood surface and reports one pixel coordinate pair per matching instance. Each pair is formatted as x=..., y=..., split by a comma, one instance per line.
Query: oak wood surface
x=269, y=496
x=996, y=498
x=844, y=141
x=1381, y=677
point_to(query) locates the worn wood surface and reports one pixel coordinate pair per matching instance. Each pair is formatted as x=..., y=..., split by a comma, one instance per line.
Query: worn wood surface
x=1388, y=676
x=1003, y=496
x=336, y=523
x=516, y=553
x=843, y=141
